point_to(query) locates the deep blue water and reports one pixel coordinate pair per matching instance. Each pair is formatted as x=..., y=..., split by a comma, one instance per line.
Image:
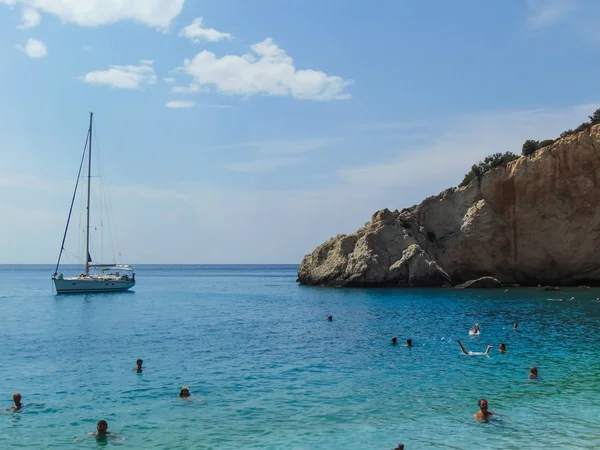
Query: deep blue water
x=274, y=374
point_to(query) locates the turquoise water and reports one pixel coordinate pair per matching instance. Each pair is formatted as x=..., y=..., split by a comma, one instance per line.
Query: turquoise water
x=274, y=374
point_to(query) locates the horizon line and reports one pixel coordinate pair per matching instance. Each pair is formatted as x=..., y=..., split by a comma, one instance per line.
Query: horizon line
x=162, y=264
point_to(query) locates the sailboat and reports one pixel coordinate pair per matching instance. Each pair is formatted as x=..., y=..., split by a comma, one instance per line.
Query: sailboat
x=95, y=277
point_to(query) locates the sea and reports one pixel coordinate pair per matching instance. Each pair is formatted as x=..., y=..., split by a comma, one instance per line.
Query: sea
x=269, y=371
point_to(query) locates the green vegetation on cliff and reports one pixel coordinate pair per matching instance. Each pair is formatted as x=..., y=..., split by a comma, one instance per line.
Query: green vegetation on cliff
x=489, y=163
x=529, y=148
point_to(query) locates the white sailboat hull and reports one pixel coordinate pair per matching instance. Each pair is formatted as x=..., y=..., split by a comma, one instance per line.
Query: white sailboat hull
x=87, y=285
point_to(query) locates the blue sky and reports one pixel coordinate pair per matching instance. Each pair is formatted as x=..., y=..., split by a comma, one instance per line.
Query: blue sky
x=238, y=131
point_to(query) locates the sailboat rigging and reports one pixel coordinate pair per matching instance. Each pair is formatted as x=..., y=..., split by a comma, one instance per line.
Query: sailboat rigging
x=111, y=277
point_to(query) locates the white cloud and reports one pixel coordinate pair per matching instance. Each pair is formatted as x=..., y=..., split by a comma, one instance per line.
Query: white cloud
x=169, y=80
x=197, y=34
x=30, y=17
x=191, y=89
x=34, y=48
x=400, y=125
x=262, y=165
x=292, y=147
x=444, y=161
x=549, y=12
x=154, y=13
x=180, y=104
x=124, y=77
x=268, y=70
x=274, y=155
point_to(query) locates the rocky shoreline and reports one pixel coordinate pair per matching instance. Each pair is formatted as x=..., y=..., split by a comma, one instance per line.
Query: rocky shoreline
x=534, y=222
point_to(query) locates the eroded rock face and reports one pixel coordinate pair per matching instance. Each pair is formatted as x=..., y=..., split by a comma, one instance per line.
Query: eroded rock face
x=536, y=221
x=387, y=252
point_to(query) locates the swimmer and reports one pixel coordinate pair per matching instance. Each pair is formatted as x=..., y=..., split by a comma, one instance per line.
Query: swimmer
x=185, y=394
x=475, y=329
x=18, y=405
x=533, y=373
x=483, y=413
x=394, y=340
x=502, y=348
x=400, y=447
x=515, y=326
x=572, y=299
x=17, y=399
x=102, y=431
x=139, y=363
x=330, y=318
x=408, y=343
x=466, y=352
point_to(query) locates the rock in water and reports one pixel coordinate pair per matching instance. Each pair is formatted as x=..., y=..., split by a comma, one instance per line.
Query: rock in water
x=535, y=221
x=480, y=283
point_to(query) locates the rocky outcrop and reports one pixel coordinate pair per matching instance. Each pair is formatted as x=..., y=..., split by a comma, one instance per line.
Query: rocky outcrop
x=480, y=283
x=535, y=221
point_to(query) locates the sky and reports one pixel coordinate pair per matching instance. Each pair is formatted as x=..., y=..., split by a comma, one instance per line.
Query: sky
x=241, y=132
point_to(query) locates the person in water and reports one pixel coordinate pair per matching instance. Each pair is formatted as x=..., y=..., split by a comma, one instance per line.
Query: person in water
x=502, y=348
x=394, y=340
x=484, y=413
x=475, y=329
x=330, y=318
x=466, y=352
x=185, y=392
x=139, y=364
x=515, y=326
x=102, y=431
x=400, y=447
x=409, y=343
x=17, y=401
x=533, y=373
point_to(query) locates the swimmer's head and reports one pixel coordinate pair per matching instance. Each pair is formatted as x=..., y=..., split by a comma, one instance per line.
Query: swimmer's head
x=533, y=370
x=102, y=427
x=17, y=398
x=330, y=318
x=139, y=362
x=483, y=405
x=502, y=347
x=516, y=325
x=409, y=342
x=185, y=392
x=394, y=340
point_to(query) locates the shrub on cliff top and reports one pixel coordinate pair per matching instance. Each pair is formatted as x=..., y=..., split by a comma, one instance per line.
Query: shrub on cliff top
x=595, y=118
x=489, y=163
x=530, y=146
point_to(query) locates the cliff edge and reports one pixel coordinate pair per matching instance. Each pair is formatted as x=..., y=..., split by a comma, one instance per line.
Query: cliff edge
x=535, y=221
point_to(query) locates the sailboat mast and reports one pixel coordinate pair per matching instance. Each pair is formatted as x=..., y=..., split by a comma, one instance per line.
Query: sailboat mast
x=87, y=228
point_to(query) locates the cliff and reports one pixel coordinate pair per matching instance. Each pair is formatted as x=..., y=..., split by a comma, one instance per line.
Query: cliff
x=535, y=221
